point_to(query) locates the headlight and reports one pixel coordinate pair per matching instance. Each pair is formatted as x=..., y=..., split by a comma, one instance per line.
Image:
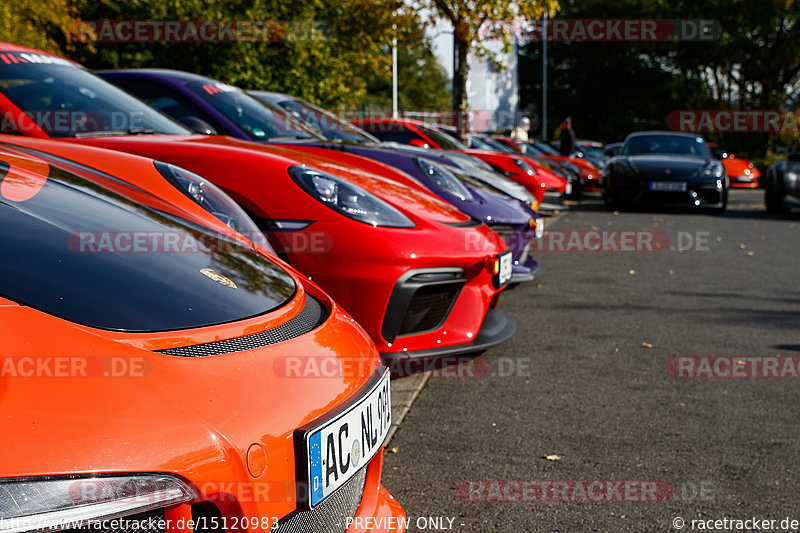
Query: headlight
x=713, y=170
x=348, y=199
x=524, y=166
x=214, y=200
x=444, y=179
x=31, y=504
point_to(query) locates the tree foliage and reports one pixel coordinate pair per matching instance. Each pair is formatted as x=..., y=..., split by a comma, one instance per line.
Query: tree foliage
x=43, y=24
x=475, y=22
x=613, y=88
x=322, y=50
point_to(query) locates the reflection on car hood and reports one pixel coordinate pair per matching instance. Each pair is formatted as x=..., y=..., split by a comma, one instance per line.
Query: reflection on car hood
x=88, y=249
x=404, y=198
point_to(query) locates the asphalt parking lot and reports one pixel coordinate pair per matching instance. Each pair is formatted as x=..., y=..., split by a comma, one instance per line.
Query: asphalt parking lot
x=582, y=393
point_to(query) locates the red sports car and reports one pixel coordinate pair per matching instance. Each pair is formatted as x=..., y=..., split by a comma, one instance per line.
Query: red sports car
x=521, y=169
x=152, y=369
x=420, y=276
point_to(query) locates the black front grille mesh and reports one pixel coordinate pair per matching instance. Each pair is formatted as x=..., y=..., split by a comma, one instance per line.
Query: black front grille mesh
x=428, y=308
x=311, y=316
x=331, y=515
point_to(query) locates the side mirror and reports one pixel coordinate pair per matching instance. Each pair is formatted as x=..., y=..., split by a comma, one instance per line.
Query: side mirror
x=198, y=125
x=418, y=142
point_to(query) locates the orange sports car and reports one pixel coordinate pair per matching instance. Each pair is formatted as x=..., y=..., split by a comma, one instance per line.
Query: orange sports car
x=162, y=372
x=741, y=172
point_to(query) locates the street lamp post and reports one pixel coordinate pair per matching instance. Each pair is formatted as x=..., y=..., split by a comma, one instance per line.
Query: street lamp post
x=395, y=113
x=544, y=77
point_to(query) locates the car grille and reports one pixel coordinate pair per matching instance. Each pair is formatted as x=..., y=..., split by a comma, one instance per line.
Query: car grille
x=428, y=308
x=149, y=522
x=421, y=301
x=311, y=316
x=331, y=515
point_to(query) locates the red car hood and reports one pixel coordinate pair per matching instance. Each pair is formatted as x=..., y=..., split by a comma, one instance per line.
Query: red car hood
x=410, y=200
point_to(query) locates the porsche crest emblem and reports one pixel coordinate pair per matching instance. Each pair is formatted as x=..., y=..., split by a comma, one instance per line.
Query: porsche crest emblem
x=219, y=278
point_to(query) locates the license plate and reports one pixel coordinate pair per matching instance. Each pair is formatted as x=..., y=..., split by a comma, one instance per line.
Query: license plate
x=568, y=189
x=506, y=267
x=334, y=450
x=669, y=186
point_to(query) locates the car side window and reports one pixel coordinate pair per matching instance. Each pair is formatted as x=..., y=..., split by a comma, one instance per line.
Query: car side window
x=165, y=99
x=392, y=133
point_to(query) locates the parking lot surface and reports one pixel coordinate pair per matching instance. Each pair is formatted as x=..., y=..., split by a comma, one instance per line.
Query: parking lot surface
x=629, y=399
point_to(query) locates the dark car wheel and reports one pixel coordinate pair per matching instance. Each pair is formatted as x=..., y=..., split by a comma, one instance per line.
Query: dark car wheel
x=774, y=194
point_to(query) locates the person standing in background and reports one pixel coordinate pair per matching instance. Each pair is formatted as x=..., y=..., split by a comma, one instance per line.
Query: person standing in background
x=520, y=133
x=567, y=138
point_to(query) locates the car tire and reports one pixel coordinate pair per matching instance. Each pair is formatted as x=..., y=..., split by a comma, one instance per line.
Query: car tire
x=774, y=194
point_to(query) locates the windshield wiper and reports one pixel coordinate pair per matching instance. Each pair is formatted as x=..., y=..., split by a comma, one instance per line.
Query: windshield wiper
x=112, y=133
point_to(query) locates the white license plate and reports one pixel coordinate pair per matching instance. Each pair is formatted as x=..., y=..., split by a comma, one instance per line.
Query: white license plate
x=568, y=189
x=669, y=186
x=506, y=267
x=338, y=448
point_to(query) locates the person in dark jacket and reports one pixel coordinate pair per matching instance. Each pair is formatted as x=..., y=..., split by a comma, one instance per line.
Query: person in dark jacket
x=567, y=138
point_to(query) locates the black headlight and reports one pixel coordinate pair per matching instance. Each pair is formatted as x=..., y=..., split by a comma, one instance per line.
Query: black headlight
x=348, y=199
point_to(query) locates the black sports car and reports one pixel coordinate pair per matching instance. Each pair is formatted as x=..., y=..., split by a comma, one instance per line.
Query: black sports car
x=655, y=167
x=782, y=184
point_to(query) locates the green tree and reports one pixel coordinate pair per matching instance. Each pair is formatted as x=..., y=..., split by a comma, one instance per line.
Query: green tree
x=321, y=50
x=474, y=23
x=43, y=24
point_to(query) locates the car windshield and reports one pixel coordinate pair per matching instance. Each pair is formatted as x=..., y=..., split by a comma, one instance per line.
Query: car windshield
x=261, y=123
x=545, y=148
x=485, y=143
x=500, y=147
x=591, y=150
x=445, y=141
x=65, y=100
x=667, y=144
x=325, y=122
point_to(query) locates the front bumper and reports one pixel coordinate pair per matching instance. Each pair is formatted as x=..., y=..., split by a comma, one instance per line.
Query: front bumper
x=497, y=328
x=638, y=192
x=451, y=267
x=745, y=181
